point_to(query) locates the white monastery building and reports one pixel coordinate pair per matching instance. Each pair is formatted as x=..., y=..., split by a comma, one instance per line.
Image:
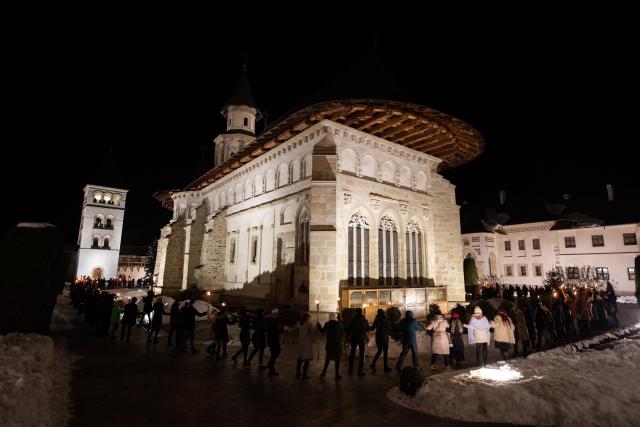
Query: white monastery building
x=339, y=204
x=100, y=231
x=526, y=252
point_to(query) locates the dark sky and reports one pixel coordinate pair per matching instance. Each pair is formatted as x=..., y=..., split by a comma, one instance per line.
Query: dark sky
x=554, y=91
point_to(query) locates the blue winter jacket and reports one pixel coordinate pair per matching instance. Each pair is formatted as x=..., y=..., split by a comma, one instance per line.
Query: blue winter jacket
x=408, y=328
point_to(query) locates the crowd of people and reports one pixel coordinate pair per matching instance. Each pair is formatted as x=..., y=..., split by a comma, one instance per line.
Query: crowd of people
x=113, y=283
x=538, y=319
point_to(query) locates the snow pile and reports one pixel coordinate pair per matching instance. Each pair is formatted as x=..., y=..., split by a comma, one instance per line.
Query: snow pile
x=34, y=382
x=627, y=300
x=569, y=386
x=35, y=225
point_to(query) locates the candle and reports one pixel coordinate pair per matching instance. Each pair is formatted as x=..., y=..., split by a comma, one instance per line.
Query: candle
x=317, y=311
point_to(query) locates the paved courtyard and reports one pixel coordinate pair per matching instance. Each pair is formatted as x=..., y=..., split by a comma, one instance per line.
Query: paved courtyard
x=117, y=384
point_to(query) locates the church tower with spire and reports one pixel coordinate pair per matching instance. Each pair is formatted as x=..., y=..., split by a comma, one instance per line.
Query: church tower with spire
x=242, y=114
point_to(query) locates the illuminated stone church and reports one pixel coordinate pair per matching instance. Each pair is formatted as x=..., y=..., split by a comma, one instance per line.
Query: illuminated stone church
x=339, y=204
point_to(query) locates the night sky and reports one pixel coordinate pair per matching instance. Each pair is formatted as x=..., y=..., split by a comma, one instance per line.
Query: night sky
x=553, y=91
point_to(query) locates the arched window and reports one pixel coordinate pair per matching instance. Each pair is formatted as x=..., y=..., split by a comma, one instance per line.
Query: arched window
x=415, y=271
x=387, y=252
x=97, y=222
x=107, y=242
x=303, y=238
x=96, y=242
x=109, y=224
x=358, y=249
x=245, y=121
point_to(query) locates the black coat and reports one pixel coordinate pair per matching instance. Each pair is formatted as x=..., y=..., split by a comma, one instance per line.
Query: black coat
x=130, y=313
x=259, y=330
x=188, y=315
x=158, y=312
x=359, y=328
x=220, y=327
x=273, y=333
x=245, y=329
x=383, y=329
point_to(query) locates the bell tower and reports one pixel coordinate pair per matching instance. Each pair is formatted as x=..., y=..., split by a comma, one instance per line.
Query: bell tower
x=100, y=231
x=241, y=113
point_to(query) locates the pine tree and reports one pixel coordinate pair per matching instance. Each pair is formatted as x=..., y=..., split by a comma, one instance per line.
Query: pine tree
x=150, y=264
x=470, y=272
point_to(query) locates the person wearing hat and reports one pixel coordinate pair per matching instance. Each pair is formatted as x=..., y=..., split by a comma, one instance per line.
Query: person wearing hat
x=479, y=334
x=503, y=332
x=457, y=330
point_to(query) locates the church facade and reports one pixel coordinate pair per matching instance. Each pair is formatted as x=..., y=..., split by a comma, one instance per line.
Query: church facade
x=338, y=205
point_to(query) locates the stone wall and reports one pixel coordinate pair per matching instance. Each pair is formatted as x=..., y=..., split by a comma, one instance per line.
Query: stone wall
x=174, y=240
x=447, y=239
x=210, y=272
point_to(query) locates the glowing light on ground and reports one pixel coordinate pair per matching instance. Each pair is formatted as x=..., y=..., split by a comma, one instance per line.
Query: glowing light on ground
x=501, y=374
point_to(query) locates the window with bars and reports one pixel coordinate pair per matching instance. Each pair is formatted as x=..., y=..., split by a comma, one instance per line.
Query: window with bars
x=536, y=244
x=630, y=239
x=538, y=270
x=597, y=240
x=508, y=270
x=521, y=245
x=570, y=242
x=602, y=273
x=414, y=254
x=358, y=250
x=573, y=273
x=303, y=238
x=523, y=270
x=387, y=252
x=507, y=245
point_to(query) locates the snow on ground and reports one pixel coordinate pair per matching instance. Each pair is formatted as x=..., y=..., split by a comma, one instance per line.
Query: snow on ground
x=628, y=299
x=574, y=385
x=34, y=382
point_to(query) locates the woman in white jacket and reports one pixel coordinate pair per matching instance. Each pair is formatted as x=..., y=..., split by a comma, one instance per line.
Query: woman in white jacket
x=305, y=344
x=479, y=334
x=503, y=332
x=439, y=340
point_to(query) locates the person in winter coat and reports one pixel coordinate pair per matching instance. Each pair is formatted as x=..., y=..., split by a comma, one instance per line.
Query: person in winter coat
x=188, y=315
x=382, y=326
x=156, y=324
x=583, y=313
x=116, y=311
x=129, y=319
x=503, y=332
x=333, y=332
x=408, y=328
x=530, y=320
x=521, y=334
x=612, y=306
x=457, y=330
x=258, y=339
x=221, y=333
x=305, y=345
x=359, y=328
x=147, y=308
x=245, y=337
x=479, y=334
x=274, y=330
x=440, y=340
x=175, y=324
x=544, y=325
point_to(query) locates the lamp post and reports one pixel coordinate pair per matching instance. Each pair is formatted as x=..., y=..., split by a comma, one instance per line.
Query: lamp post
x=208, y=304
